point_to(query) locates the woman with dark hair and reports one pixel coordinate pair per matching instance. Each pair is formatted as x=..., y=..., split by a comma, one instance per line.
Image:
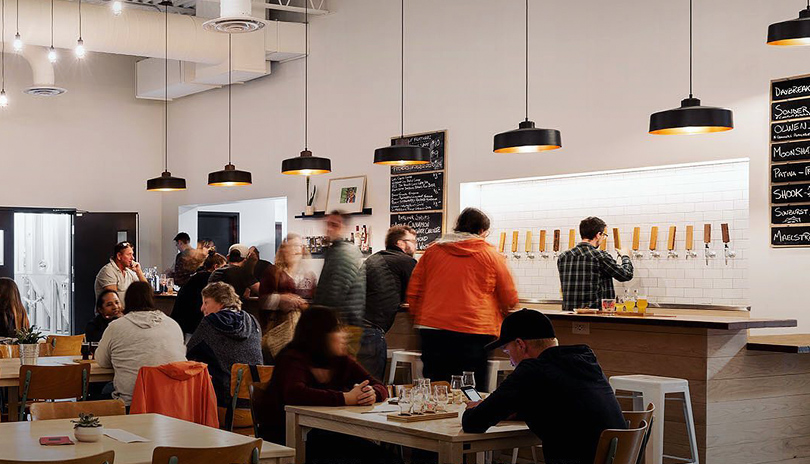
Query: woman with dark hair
x=12, y=311
x=145, y=336
x=186, y=310
x=108, y=309
x=459, y=293
x=314, y=370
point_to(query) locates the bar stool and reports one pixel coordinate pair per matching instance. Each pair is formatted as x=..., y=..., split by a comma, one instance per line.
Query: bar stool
x=653, y=389
x=413, y=358
x=495, y=366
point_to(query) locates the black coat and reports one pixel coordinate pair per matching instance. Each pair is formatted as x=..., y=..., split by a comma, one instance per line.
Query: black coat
x=95, y=329
x=387, y=276
x=187, y=305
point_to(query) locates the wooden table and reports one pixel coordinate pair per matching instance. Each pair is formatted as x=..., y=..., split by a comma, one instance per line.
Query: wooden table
x=20, y=440
x=442, y=436
x=790, y=343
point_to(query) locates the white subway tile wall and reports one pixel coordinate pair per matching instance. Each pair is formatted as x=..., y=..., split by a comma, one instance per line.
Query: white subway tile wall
x=679, y=196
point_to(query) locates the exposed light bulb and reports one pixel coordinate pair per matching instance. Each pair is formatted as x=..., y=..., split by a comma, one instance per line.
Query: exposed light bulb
x=3, y=99
x=80, y=50
x=117, y=8
x=52, y=55
x=18, y=43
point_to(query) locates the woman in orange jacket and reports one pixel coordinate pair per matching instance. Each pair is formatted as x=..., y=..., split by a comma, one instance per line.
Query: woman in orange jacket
x=459, y=293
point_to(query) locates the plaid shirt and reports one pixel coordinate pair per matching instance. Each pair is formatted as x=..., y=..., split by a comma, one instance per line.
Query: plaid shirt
x=587, y=273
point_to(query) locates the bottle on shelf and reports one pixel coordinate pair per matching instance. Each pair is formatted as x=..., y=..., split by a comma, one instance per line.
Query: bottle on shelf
x=356, y=238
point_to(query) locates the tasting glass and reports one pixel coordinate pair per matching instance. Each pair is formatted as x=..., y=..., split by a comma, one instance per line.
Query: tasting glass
x=642, y=304
x=85, y=350
x=442, y=397
x=609, y=305
x=417, y=400
x=468, y=379
x=404, y=394
x=455, y=388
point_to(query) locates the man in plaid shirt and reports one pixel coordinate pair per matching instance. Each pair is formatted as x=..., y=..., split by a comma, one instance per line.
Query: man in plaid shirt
x=586, y=272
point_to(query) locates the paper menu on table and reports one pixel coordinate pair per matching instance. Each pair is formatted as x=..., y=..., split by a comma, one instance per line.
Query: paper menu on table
x=124, y=436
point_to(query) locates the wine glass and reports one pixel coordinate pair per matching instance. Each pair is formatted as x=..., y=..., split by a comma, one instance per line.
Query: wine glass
x=455, y=388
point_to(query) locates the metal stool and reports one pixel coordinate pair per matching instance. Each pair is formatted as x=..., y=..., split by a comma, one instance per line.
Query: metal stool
x=413, y=358
x=494, y=366
x=653, y=389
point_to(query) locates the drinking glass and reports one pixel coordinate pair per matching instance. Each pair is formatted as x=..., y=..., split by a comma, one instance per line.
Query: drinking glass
x=417, y=400
x=85, y=351
x=170, y=285
x=468, y=379
x=442, y=397
x=629, y=304
x=609, y=305
x=162, y=281
x=642, y=304
x=93, y=347
x=455, y=388
x=404, y=394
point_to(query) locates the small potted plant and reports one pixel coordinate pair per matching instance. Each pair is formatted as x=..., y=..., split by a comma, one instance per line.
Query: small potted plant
x=28, y=339
x=88, y=428
x=310, y=200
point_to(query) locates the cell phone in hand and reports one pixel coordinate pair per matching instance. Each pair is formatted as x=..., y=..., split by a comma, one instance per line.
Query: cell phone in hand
x=471, y=393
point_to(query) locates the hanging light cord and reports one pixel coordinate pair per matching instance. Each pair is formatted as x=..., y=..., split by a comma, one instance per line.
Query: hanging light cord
x=3, y=34
x=306, y=77
x=80, y=19
x=527, y=60
x=690, y=48
x=402, y=71
x=230, y=48
x=51, y=23
x=166, y=94
x=18, y=17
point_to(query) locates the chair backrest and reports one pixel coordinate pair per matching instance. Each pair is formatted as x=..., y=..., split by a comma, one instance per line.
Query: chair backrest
x=53, y=383
x=13, y=351
x=247, y=453
x=258, y=404
x=71, y=410
x=64, y=345
x=635, y=419
x=242, y=376
x=620, y=446
x=106, y=457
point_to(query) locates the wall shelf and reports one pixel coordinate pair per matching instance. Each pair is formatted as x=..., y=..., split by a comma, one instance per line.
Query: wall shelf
x=321, y=214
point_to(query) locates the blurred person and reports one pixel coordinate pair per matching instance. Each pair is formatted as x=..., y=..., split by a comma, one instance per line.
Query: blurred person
x=559, y=391
x=225, y=336
x=387, y=275
x=186, y=311
x=238, y=273
x=285, y=290
x=12, y=312
x=108, y=309
x=120, y=272
x=186, y=261
x=459, y=293
x=262, y=265
x=342, y=284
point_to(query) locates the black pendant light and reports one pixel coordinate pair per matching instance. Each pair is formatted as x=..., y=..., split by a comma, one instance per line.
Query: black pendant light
x=791, y=33
x=166, y=182
x=527, y=138
x=691, y=118
x=401, y=153
x=229, y=176
x=305, y=164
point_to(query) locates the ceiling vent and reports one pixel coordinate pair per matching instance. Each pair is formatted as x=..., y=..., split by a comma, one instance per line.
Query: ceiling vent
x=44, y=91
x=234, y=18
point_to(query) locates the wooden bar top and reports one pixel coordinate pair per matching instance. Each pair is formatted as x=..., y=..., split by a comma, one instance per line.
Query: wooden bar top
x=679, y=320
x=792, y=343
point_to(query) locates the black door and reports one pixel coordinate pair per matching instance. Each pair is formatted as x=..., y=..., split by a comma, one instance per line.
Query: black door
x=95, y=235
x=222, y=228
x=7, y=243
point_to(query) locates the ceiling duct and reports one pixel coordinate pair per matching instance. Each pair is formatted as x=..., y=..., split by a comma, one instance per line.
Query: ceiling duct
x=42, y=71
x=234, y=18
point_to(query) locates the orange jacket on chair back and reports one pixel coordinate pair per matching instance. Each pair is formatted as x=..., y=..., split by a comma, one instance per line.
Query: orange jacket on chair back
x=182, y=390
x=461, y=284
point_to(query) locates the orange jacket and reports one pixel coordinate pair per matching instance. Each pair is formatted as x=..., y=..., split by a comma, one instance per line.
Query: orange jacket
x=461, y=284
x=182, y=390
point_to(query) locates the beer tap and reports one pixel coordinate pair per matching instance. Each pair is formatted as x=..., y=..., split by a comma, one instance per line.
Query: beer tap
x=690, y=244
x=515, y=237
x=707, y=239
x=556, y=243
x=572, y=238
x=654, y=243
x=502, y=244
x=603, y=242
x=542, y=247
x=529, y=253
x=617, y=241
x=727, y=252
x=636, y=243
x=671, y=253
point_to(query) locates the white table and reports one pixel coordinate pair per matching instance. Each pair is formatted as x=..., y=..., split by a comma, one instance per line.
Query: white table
x=442, y=436
x=20, y=440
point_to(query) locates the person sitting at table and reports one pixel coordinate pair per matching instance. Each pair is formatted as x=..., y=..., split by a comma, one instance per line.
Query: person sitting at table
x=12, y=311
x=144, y=336
x=226, y=336
x=189, y=299
x=559, y=391
x=108, y=309
x=315, y=370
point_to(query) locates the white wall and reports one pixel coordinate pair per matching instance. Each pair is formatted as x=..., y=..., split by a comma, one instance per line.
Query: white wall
x=598, y=70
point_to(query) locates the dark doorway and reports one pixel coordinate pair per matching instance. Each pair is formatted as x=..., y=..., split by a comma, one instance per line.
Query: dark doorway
x=221, y=227
x=7, y=244
x=279, y=235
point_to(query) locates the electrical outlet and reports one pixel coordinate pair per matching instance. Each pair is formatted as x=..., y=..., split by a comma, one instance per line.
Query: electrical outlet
x=581, y=328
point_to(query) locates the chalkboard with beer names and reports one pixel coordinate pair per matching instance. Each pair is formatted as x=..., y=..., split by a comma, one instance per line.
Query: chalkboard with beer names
x=428, y=226
x=417, y=192
x=790, y=162
x=433, y=141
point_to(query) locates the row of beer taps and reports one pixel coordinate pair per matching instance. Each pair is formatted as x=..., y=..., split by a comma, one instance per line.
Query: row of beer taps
x=635, y=252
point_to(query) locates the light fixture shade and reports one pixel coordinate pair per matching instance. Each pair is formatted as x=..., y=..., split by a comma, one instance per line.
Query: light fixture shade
x=229, y=177
x=306, y=165
x=791, y=33
x=691, y=118
x=527, y=139
x=401, y=153
x=165, y=183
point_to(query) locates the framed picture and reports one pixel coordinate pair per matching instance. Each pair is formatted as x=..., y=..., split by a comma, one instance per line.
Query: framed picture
x=346, y=194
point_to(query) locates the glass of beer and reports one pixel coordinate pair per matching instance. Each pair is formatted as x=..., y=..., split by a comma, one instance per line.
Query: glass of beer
x=629, y=304
x=642, y=304
x=609, y=305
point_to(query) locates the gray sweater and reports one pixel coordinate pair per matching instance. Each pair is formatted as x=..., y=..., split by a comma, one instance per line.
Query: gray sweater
x=342, y=285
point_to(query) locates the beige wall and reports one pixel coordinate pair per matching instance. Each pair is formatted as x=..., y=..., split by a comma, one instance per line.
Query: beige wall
x=598, y=70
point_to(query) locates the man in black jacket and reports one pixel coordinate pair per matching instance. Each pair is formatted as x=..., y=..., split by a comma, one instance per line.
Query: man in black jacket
x=387, y=276
x=560, y=391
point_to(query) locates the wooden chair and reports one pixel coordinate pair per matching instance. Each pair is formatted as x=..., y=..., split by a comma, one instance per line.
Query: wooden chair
x=106, y=457
x=62, y=345
x=620, y=446
x=71, y=410
x=634, y=420
x=13, y=351
x=238, y=454
x=242, y=377
x=42, y=383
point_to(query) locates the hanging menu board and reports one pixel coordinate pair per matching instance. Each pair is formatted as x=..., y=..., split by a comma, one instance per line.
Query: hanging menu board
x=417, y=192
x=790, y=162
x=433, y=141
x=428, y=226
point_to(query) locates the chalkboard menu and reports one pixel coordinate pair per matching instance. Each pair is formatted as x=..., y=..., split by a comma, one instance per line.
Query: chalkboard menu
x=428, y=226
x=433, y=141
x=790, y=162
x=417, y=192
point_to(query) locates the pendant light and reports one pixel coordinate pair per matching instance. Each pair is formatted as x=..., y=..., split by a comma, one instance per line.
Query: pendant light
x=793, y=32
x=401, y=153
x=52, y=57
x=305, y=164
x=3, y=96
x=166, y=182
x=527, y=138
x=117, y=8
x=691, y=118
x=229, y=176
x=80, y=50
x=18, y=43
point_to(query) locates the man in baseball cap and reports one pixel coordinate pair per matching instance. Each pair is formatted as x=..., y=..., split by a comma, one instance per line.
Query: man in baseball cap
x=560, y=391
x=238, y=273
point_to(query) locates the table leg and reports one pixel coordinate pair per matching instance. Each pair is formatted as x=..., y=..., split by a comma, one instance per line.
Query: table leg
x=451, y=453
x=13, y=404
x=295, y=438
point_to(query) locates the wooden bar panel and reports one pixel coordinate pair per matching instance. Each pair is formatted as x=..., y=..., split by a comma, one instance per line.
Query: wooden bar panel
x=725, y=412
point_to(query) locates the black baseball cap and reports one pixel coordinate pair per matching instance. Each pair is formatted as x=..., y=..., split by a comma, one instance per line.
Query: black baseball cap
x=525, y=324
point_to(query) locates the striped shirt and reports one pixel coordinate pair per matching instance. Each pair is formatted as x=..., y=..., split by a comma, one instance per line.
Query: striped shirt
x=587, y=273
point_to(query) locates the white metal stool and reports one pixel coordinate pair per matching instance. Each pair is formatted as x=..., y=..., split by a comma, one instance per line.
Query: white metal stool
x=494, y=366
x=653, y=389
x=413, y=358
